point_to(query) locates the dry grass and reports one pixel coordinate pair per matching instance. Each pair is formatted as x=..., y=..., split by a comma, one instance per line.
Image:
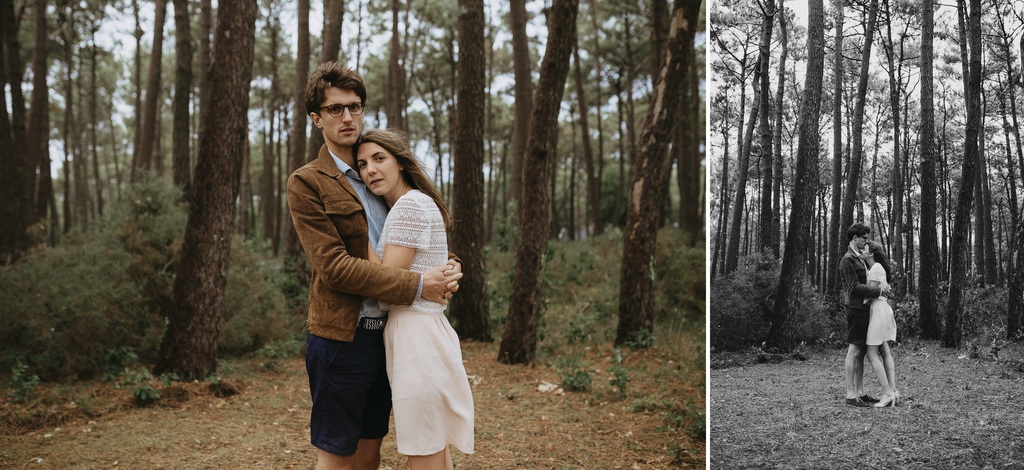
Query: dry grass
x=95, y=425
x=965, y=412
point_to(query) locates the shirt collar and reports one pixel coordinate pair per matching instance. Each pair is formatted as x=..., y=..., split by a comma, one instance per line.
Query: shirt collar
x=344, y=167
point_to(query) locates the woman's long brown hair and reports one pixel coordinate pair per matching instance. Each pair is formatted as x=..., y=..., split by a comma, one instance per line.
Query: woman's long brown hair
x=397, y=144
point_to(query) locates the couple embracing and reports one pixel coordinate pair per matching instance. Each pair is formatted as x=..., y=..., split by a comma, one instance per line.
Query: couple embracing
x=864, y=271
x=374, y=231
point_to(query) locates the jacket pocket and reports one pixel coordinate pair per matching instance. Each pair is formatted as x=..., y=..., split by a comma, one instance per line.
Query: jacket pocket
x=350, y=221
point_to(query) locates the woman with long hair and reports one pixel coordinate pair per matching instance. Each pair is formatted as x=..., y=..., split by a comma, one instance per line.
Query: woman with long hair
x=430, y=393
x=882, y=326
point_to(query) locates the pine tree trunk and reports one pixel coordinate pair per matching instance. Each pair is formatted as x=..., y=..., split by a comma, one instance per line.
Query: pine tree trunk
x=297, y=150
x=396, y=75
x=1015, y=297
x=791, y=278
x=636, y=280
x=268, y=198
x=767, y=165
x=928, y=293
x=147, y=139
x=333, y=14
x=895, y=241
x=523, y=98
x=181, y=135
x=593, y=185
x=471, y=307
x=776, y=229
x=835, y=228
x=519, y=341
x=15, y=167
x=38, y=133
x=959, y=264
x=189, y=347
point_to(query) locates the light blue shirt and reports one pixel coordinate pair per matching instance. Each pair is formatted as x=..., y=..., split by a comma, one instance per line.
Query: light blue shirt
x=376, y=212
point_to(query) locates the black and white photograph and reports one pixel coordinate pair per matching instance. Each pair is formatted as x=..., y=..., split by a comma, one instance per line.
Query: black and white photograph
x=865, y=234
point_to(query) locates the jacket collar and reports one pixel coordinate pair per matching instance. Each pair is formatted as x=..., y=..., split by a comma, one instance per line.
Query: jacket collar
x=325, y=164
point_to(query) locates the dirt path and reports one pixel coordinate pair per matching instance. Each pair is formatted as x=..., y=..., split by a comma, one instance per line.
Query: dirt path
x=266, y=425
x=965, y=413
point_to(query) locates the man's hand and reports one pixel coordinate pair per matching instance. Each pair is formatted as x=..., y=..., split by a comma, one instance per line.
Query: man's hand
x=886, y=290
x=441, y=282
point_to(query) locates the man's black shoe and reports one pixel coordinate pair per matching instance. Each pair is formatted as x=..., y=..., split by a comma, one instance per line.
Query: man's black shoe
x=856, y=402
x=868, y=399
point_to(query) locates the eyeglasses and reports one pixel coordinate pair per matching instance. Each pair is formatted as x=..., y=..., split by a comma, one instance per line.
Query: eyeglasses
x=337, y=110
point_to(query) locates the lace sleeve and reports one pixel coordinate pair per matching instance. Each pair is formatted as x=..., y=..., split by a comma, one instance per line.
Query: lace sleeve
x=409, y=225
x=876, y=273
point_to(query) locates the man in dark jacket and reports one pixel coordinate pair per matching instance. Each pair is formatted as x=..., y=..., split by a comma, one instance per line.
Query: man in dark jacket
x=856, y=292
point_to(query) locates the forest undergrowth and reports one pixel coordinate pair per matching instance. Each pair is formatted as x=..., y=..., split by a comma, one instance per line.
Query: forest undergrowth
x=583, y=404
x=776, y=411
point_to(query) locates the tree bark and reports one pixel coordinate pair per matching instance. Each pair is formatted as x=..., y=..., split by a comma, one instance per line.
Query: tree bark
x=181, y=134
x=853, y=175
x=895, y=241
x=1015, y=297
x=189, y=347
x=395, y=99
x=147, y=139
x=38, y=133
x=297, y=150
x=636, y=282
x=15, y=167
x=928, y=293
x=519, y=342
x=791, y=278
x=593, y=184
x=334, y=12
x=764, y=223
x=959, y=263
x=834, y=226
x=523, y=98
x=471, y=308
x=776, y=229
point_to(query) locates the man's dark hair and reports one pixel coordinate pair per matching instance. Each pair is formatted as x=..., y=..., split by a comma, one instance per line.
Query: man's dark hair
x=332, y=75
x=857, y=230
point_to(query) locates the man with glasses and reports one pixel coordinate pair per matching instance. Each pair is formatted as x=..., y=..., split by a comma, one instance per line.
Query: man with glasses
x=854, y=277
x=335, y=216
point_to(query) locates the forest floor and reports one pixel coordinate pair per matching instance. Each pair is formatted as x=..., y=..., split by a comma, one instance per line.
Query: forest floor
x=656, y=422
x=788, y=411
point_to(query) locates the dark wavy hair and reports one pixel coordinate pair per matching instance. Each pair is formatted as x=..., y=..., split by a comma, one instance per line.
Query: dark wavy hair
x=878, y=254
x=396, y=143
x=332, y=75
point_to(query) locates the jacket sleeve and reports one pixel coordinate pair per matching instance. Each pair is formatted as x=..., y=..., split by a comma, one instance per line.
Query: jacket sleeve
x=852, y=285
x=341, y=267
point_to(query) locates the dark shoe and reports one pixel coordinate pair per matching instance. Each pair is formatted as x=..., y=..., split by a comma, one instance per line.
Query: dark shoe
x=856, y=402
x=868, y=399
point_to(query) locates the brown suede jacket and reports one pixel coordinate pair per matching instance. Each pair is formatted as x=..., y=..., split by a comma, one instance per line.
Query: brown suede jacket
x=331, y=225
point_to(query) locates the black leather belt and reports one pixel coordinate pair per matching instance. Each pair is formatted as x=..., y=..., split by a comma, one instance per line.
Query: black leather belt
x=372, y=324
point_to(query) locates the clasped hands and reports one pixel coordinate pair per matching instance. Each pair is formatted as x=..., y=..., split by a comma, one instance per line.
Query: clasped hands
x=440, y=283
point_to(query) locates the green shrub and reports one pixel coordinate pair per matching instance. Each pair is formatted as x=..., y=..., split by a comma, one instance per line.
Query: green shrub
x=743, y=300
x=680, y=283
x=98, y=301
x=23, y=384
x=575, y=377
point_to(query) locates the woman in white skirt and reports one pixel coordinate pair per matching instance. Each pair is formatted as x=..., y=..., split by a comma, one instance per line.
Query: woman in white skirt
x=882, y=326
x=430, y=393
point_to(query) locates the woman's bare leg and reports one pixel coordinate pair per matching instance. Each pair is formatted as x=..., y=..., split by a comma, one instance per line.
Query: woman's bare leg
x=879, y=368
x=439, y=461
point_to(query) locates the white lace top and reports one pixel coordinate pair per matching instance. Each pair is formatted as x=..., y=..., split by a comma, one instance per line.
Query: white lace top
x=416, y=222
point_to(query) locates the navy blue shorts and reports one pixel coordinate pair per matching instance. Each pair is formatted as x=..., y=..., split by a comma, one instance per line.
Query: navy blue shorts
x=857, y=320
x=350, y=390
